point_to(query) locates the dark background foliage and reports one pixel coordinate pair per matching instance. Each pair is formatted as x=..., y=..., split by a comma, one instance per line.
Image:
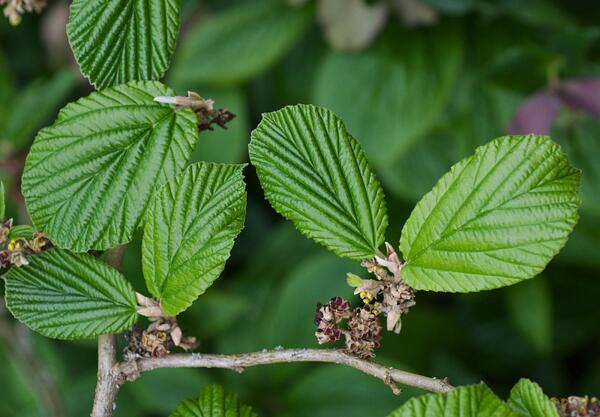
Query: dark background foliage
x=418, y=99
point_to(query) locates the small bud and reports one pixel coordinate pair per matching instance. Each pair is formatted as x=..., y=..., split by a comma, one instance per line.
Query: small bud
x=353, y=280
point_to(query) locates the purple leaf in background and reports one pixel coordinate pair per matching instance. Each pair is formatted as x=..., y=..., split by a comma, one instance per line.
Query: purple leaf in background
x=583, y=94
x=535, y=115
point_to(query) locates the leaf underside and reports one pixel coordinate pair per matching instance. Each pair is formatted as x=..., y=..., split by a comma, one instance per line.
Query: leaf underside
x=116, y=41
x=466, y=401
x=316, y=175
x=89, y=176
x=496, y=218
x=213, y=402
x=190, y=229
x=70, y=296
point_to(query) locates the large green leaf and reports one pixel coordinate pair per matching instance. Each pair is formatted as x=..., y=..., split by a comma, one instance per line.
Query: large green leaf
x=239, y=44
x=89, y=176
x=190, y=228
x=70, y=296
x=528, y=400
x=315, y=174
x=213, y=402
x=495, y=219
x=116, y=41
x=467, y=401
x=394, y=92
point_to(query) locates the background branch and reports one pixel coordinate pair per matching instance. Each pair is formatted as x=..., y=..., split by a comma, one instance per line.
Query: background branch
x=239, y=362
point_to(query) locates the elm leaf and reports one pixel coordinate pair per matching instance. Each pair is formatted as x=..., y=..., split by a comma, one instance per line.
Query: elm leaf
x=466, y=401
x=116, y=41
x=316, y=175
x=64, y=295
x=528, y=400
x=213, y=401
x=89, y=176
x=190, y=229
x=495, y=219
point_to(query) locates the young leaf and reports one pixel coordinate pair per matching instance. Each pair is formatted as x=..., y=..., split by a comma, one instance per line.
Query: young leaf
x=213, y=402
x=239, y=43
x=316, y=175
x=89, y=176
x=70, y=296
x=123, y=40
x=528, y=400
x=467, y=401
x=190, y=228
x=497, y=218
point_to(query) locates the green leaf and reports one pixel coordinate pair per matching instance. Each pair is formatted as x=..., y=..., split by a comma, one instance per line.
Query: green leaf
x=316, y=175
x=528, y=400
x=70, y=296
x=239, y=44
x=467, y=401
x=89, y=176
x=213, y=402
x=190, y=229
x=496, y=218
x=118, y=41
x=390, y=111
x=530, y=311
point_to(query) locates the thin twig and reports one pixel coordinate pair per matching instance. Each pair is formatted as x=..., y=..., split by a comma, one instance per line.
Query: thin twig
x=108, y=369
x=238, y=362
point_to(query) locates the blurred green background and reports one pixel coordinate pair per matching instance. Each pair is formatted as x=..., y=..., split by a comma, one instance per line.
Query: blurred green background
x=420, y=83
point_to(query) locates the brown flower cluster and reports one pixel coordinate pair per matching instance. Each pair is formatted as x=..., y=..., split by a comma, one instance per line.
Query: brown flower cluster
x=387, y=294
x=578, y=407
x=14, y=251
x=162, y=335
x=14, y=9
x=363, y=331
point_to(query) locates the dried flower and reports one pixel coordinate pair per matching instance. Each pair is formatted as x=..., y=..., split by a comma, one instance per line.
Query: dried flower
x=14, y=9
x=578, y=407
x=364, y=333
x=205, y=110
x=15, y=251
x=392, y=296
x=327, y=318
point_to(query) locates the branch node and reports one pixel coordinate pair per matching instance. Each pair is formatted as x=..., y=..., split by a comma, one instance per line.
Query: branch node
x=389, y=381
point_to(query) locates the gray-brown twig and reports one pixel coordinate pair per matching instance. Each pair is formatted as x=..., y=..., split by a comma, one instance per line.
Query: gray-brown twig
x=241, y=361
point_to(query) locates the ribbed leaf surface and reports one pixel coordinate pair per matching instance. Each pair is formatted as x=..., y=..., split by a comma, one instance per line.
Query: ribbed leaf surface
x=190, y=230
x=213, y=402
x=496, y=218
x=528, y=400
x=316, y=175
x=239, y=44
x=116, y=41
x=467, y=401
x=70, y=296
x=89, y=176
